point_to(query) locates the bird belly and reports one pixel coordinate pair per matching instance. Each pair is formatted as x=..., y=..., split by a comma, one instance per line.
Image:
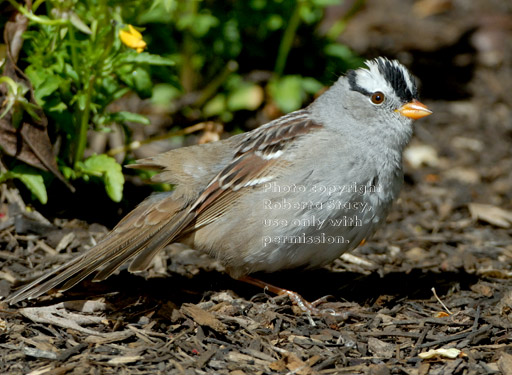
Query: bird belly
x=311, y=240
x=290, y=231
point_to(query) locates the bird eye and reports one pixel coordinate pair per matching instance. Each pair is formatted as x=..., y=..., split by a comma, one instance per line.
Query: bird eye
x=377, y=97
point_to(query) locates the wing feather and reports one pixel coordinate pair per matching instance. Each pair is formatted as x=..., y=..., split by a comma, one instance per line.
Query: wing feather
x=161, y=218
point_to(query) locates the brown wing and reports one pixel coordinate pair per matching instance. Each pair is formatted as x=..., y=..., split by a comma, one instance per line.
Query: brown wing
x=253, y=164
x=160, y=219
x=256, y=158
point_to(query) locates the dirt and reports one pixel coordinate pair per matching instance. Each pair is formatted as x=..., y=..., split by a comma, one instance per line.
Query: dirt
x=436, y=276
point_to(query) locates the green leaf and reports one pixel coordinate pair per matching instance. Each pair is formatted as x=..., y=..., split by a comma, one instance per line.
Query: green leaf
x=170, y=5
x=142, y=83
x=110, y=172
x=197, y=24
x=35, y=75
x=341, y=51
x=81, y=98
x=47, y=87
x=246, y=96
x=202, y=24
x=109, y=83
x=59, y=107
x=311, y=85
x=215, y=106
x=137, y=79
x=67, y=172
x=70, y=72
x=120, y=93
x=78, y=23
x=161, y=11
x=258, y=4
x=32, y=179
x=146, y=58
x=287, y=92
x=123, y=116
x=164, y=94
x=325, y=3
x=274, y=22
x=31, y=110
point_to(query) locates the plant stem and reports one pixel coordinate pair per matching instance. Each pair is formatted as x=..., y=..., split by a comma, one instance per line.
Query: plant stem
x=84, y=124
x=289, y=35
x=74, y=56
x=339, y=26
x=31, y=16
x=214, y=85
x=12, y=86
x=36, y=5
x=83, y=113
x=187, y=73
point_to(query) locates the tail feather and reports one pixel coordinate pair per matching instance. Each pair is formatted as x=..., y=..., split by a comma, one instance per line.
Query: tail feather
x=147, y=250
x=76, y=270
x=159, y=240
x=40, y=286
x=147, y=229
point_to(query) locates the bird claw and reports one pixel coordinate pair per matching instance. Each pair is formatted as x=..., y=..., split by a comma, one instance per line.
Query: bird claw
x=309, y=308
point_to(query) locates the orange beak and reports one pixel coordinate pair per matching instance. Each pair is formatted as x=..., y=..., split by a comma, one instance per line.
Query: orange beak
x=414, y=110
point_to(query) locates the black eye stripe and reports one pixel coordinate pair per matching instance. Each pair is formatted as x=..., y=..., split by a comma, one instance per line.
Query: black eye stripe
x=351, y=75
x=394, y=75
x=396, y=78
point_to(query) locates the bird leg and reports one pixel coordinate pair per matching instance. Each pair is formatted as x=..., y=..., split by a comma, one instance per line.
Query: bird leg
x=309, y=308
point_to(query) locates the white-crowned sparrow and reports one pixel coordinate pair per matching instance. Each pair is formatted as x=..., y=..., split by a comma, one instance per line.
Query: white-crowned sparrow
x=296, y=192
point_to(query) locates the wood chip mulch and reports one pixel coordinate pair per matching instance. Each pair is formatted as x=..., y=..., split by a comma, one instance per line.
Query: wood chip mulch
x=430, y=294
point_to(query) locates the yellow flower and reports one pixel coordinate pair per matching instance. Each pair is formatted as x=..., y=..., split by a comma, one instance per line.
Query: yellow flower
x=132, y=38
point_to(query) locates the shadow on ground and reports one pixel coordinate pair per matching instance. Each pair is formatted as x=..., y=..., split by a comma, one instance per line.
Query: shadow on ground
x=127, y=289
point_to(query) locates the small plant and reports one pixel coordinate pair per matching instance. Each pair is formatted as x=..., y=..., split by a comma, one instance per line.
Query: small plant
x=221, y=43
x=80, y=57
x=210, y=60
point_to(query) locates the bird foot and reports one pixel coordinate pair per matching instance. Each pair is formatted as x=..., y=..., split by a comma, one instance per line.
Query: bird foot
x=309, y=308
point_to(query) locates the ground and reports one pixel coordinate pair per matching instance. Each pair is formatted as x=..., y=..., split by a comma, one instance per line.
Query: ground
x=436, y=276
